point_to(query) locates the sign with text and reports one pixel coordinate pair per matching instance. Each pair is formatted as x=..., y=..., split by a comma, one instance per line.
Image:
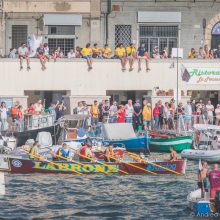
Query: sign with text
x=201, y=76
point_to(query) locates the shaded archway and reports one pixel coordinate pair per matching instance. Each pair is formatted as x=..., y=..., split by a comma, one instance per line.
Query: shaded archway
x=211, y=24
x=215, y=35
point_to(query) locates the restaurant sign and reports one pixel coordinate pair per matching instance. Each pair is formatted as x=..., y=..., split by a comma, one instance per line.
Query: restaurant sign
x=201, y=76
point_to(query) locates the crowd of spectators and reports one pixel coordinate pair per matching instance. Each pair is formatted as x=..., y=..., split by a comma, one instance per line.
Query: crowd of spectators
x=13, y=118
x=143, y=116
x=204, y=53
x=126, y=54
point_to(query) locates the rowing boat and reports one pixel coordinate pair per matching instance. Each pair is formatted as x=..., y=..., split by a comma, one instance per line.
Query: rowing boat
x=19, y=165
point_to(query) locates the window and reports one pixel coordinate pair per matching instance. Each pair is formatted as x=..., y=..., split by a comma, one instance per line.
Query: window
x=61, y=30
x=122, y=34
x=64, y=43
x=160, y=36
x=19, y=35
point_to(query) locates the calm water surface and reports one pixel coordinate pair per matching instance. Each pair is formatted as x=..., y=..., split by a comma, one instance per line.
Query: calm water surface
x=98, y=196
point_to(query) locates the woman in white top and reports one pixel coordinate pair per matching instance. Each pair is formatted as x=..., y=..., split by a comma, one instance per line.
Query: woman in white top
x=3, y=116
x=129, y=110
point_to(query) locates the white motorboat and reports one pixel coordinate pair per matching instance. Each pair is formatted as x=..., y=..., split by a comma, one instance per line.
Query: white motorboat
x=207, y=155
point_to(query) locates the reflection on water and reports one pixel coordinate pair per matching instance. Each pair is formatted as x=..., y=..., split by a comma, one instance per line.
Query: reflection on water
x=98, y=196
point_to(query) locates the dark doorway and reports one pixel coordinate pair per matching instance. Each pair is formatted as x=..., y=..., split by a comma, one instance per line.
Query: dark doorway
x=48, y=98
x=215, y=41
x=215, y=36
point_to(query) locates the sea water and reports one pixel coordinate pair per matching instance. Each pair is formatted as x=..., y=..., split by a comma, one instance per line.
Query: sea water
x=98, y=196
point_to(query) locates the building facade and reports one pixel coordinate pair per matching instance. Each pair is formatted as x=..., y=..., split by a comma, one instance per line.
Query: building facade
x=60, y=23
x=170, y=23
x=189, y=23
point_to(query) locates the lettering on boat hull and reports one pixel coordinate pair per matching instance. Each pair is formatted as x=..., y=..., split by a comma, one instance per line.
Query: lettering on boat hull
x=70, y=167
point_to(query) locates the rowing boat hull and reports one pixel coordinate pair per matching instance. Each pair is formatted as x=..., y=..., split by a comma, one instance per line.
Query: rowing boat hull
x=17, y=165
x=163, y=144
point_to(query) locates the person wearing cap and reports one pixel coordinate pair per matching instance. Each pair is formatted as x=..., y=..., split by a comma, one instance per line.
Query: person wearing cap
x=146, y=113
x=217, y=115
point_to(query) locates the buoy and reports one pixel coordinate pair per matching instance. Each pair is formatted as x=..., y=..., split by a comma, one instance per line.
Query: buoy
x=2, y=184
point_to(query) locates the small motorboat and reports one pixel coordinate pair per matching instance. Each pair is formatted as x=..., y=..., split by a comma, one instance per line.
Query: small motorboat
x=207, y=155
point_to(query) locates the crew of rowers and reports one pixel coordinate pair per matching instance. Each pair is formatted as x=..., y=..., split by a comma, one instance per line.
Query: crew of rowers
x=85, y=153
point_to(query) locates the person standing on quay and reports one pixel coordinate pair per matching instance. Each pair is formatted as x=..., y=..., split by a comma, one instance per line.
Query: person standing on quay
x=129, y=110
x=156, y=114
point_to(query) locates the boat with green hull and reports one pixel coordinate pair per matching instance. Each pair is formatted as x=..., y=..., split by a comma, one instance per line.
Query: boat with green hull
x=162, y=144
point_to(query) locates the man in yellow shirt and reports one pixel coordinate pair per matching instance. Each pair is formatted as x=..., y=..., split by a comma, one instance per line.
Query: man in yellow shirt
x=192, y=54
x=96, y=51
x=131, y=53
x=87, y=54
x=95, y=114
x=120, y=53
x=147, y=115
x=107, y=52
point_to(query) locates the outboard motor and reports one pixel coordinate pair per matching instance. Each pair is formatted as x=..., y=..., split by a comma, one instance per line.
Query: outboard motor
x=217, y=201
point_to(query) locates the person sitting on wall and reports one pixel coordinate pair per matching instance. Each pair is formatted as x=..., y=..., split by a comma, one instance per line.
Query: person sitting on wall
x=23, y=55
x=132, y=54
x=96, y=51
x=87, y=54
x=40, y=55
x=107, y=52
x=120, y=53
x=192, y=54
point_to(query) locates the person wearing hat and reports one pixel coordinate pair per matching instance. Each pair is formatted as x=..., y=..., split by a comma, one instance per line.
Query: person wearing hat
x=146, y=113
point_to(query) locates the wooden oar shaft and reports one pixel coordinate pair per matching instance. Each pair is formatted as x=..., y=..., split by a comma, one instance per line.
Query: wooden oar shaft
x=90, y=159
x=140, y=168
x=39, y=157
x=156, y=165
x=118, y=169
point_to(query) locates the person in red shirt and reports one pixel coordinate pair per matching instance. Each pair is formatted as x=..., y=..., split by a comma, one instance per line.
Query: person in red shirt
x=214, y=179
x=31, y=109
x=156, y=114
x=121, y=114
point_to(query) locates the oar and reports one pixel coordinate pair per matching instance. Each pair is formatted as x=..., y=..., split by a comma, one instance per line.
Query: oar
x=140, y=168
x=172, y=171
x=90, y=159
x=116, y=160
x=40, y=158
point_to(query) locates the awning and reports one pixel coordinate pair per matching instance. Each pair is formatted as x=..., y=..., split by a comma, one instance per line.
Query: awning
x=62, y=19
x=159, y=17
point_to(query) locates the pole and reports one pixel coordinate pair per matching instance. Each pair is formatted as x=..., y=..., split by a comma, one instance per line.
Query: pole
x=177, y=81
